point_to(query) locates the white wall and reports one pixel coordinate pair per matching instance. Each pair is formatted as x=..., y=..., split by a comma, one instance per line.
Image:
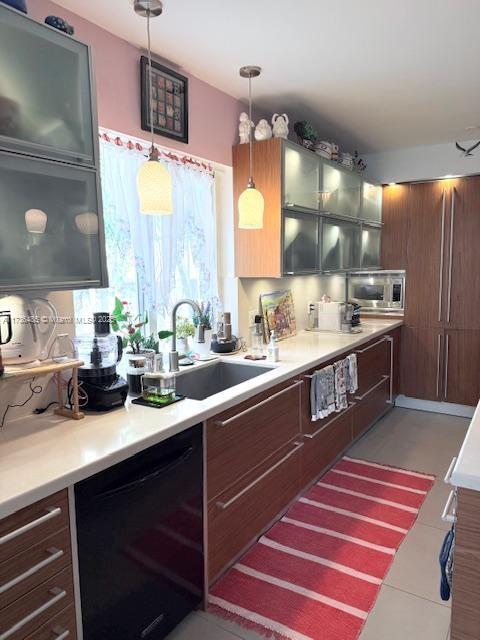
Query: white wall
x=422, y=163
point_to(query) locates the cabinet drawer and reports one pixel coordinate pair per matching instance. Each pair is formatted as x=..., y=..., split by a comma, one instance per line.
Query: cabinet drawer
x=240, y=514
x=371, y=406
x=373, y=361
x=241, y=438
x=61, y=627
x=24, y=528
x=466, y=593
x=35, y=565
x=324, y=445
x=36, y=608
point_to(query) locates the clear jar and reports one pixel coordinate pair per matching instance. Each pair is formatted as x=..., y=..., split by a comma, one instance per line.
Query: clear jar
x=159, y=387
x=136, y=368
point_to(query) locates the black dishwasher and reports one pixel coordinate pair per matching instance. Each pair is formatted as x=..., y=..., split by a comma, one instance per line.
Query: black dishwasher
x=140, y=541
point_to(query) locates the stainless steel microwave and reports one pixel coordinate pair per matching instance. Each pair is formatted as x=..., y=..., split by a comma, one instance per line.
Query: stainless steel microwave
x=380, y=291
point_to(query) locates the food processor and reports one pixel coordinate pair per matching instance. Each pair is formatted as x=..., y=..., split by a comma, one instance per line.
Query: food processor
x=103, y=386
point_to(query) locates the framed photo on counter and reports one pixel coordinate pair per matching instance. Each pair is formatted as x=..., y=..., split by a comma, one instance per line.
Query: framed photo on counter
x=169, y=101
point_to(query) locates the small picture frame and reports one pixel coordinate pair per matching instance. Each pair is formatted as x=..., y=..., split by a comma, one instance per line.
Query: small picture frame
x=169, y=98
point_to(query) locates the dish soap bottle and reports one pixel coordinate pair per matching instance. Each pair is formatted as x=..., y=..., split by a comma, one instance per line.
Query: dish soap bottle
x=273, y=352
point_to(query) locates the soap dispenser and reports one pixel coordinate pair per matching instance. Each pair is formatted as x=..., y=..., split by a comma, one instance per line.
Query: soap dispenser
x=273, y=352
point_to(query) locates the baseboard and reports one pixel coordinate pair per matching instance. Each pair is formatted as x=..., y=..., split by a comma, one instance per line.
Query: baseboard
x=461, y=410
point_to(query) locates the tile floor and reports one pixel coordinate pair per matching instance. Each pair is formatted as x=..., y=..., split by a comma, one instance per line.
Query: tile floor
x=408, y=605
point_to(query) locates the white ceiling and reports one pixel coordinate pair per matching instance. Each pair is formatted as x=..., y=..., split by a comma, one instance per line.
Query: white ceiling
x=372, y=75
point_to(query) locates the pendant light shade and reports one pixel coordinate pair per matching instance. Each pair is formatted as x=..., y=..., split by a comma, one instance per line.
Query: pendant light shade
x=250, y=208
x=154, y=182
x=251, y=203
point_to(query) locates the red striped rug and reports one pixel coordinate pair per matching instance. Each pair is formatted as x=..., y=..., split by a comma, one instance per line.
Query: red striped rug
x=315, y=575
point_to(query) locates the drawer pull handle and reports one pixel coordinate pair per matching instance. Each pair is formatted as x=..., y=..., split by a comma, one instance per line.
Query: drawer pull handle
x=450, y=471
x=225, y=423
x=52, y=512
x=54, y=554
x=61, y=633
x=225, y=505
x=446, y=515
x=58, y=594
x=324, y=426
x=375, y=386
x=375, y=344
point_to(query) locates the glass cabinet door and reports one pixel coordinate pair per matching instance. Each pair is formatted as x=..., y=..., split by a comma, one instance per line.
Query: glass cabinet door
x=371, y=239
x=340, y=245
x=51, y=226
x=372, y=202
x=45, y=93
x=300, y=242
x=301, y=178
x=340, y=192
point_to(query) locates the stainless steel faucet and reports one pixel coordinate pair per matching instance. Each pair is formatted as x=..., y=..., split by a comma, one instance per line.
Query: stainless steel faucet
x=173, y=356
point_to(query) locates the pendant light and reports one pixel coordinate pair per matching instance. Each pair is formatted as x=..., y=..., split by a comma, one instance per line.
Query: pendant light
x=250, y=203
x=154, y=182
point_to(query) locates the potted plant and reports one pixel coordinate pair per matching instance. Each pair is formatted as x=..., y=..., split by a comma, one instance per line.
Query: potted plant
x=185, y=330
x=205, y=319
x=130, y=328
x=306, y=134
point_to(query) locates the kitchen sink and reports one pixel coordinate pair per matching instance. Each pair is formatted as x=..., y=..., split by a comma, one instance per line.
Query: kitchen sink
x=198, y=384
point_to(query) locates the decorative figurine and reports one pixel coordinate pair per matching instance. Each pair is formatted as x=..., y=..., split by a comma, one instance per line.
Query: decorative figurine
x=60, y=24
x=244, y=128
x=306, y=133
x=263, y=130
x=280, y=125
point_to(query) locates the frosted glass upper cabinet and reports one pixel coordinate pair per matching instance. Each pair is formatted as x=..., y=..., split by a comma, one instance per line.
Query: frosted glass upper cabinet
x=301, y=178
x=341, y=191
x=371, y=202
x=51, y=222
x=371, y=240
x=340, y=245
x=301, y=236
x=45, y=91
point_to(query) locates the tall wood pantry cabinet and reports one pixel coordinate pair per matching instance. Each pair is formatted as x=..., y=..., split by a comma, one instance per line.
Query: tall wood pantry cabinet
x=431, y=229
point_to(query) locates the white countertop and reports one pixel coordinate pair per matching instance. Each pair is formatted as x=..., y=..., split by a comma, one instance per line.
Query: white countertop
x=43, y=454
x=466, y=472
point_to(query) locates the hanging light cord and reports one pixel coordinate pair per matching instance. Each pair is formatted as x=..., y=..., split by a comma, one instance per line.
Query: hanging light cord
x=150, y=77
x=250, y=129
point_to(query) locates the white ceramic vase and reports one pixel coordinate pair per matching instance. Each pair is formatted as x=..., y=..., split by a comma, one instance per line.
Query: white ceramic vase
x=203, y=348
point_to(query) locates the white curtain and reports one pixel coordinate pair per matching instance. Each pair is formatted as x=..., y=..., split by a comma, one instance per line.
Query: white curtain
x=154, y=260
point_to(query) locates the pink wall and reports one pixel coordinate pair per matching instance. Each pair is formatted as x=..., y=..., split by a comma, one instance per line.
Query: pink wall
x=213, y=115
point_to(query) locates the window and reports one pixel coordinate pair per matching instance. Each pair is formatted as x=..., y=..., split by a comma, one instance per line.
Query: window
x=153, y=260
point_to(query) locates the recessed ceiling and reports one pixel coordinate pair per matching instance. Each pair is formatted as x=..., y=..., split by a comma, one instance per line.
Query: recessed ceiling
x=372, y=75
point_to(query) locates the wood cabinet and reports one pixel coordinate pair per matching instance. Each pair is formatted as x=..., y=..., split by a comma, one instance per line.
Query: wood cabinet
x=461, y=382
x=36, y=577
x=318, y=215
x=466, y=575
x=462, y=279
x=422, y=363
x=243, y=437
x=431, y=230
x=263, y=452
x=424, y=304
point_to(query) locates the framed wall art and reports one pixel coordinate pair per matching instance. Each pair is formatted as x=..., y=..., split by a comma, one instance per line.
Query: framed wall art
x=279, y=313
x=169, y=100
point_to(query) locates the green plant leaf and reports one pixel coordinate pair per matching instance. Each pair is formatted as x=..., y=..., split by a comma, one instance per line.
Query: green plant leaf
x=118, y=307
x=114, y=324
x=163, y=335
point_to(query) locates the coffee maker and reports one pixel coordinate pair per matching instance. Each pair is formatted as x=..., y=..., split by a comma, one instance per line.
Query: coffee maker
x=105, y=389
x=223, y=341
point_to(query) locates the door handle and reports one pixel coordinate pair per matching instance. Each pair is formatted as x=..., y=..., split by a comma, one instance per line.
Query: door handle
x=447, y=345
x=53, y=554
x=58, y=594
x=442, y=251
x=450, y=257
x=439, y=346
x=52, y=512
x=228, y=503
